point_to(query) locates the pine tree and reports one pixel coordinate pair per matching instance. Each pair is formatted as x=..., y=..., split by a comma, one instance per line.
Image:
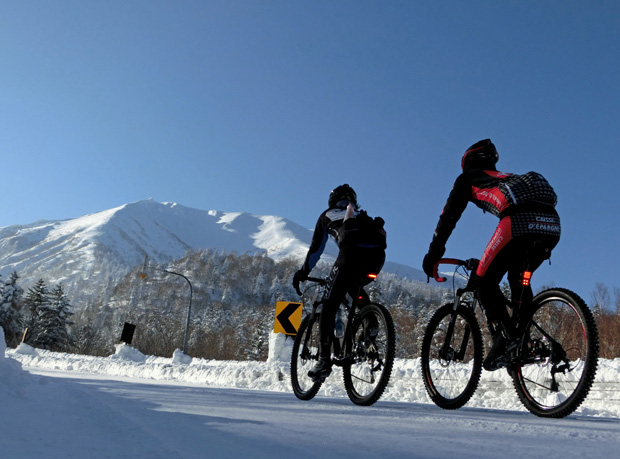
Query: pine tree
x=49, y=317
x=38, y=307
x=59, y=320
x=10, y=309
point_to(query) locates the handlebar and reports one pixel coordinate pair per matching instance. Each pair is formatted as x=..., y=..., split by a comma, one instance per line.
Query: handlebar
x=316, y=280
x=470, y=264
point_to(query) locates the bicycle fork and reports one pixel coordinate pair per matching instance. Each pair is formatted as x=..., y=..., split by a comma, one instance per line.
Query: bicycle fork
x=447, y=351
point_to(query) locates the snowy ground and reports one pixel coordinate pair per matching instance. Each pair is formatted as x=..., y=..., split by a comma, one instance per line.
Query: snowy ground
x=131, y=405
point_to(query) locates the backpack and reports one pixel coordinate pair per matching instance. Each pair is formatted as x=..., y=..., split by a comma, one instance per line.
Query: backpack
x=528, y=188
x=362, y=230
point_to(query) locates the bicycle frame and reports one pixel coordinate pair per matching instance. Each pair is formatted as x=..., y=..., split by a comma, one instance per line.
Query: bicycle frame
x=552, y=360
x=351, y=308
x=365, y=352
x=469, y=267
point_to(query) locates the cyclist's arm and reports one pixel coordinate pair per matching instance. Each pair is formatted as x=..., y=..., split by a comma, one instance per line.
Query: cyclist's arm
x=317, y=246
x=452, y=211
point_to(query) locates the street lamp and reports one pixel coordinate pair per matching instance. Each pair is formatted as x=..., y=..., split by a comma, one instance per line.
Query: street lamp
x=189, y=308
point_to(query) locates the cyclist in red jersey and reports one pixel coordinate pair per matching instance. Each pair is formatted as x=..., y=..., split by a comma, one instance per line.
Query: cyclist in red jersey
x=529, y=227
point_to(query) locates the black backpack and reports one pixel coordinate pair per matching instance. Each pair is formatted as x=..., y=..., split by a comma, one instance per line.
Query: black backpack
x=528, y=188
x=362, y=231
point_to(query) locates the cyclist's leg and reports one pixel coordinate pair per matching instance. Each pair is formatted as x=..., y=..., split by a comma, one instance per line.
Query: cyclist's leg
x=344, y=278
x=526, y=251
x=529, y=253
x=366, y=261
x=493, y=265
x=335, y=291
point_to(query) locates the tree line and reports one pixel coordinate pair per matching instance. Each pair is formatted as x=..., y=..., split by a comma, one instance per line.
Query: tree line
x=41, y=317
x=232, y=309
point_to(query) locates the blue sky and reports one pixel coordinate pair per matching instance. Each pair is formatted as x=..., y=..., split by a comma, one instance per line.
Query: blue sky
x=265, y=106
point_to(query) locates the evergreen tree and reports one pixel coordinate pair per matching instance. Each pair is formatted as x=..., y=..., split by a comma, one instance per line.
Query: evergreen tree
x=10, y=309
x=59, y=320
x=49, y=317
x=38, y=307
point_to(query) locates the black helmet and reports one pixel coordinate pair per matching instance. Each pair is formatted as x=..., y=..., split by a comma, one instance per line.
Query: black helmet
x=341, y=196
x=481, y=155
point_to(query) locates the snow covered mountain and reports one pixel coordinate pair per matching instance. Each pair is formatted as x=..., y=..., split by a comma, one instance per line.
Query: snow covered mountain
x=105, y=245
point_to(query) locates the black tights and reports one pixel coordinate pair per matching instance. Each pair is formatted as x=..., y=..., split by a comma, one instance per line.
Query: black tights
x=347, y=276
x=520, y=254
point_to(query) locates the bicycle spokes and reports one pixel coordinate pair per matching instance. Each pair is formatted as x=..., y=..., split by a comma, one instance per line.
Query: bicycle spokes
x=369, y=355
x=304, y=356
x=557, y=360
x=452, y=356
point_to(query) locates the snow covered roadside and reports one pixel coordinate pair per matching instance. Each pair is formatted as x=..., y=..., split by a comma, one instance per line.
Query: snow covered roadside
x=495, y=390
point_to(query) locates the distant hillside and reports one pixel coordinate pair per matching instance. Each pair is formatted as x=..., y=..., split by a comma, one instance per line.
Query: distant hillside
x=96, y=250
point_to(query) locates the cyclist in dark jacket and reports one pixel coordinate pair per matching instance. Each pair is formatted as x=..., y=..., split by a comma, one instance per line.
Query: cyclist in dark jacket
x=529, y=228
x=348, y=273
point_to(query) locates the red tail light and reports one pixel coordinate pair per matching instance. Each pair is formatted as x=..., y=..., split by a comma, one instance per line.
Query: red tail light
x=525, y=280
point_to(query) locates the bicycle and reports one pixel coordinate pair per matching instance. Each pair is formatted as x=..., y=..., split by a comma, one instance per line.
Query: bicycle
x=365, y=350
x=552, y=366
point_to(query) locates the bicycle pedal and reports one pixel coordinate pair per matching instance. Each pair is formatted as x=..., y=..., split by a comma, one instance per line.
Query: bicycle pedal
x=497, y=364
x=319, y=378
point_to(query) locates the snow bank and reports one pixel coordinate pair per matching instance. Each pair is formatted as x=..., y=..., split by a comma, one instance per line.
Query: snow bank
x=495, y=391
x=128, y=353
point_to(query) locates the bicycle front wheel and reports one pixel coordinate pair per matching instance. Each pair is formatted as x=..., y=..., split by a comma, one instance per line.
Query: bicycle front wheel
x=558, y=356
x=369, y=355
x=304, y=357
x=452, y=356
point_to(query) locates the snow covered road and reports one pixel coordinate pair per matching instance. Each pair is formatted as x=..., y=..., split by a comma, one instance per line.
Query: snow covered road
x=56, y=413
x=129, y=405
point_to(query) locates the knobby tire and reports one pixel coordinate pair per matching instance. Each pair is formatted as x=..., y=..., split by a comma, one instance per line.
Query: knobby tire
x=451, y=369
x=304, y=357
x=561, y=335
x=371, y=355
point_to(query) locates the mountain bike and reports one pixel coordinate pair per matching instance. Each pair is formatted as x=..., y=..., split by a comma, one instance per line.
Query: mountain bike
x=365, y=350
x=552, y=364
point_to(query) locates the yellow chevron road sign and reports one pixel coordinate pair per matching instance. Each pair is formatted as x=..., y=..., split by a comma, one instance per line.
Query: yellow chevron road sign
x=288, y=317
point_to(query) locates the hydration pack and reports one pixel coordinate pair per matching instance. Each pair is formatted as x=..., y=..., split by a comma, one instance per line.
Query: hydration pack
x=362, y=230
x=528, y=188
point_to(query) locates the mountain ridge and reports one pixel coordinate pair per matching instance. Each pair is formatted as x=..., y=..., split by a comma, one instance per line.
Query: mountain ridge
x=109, y=243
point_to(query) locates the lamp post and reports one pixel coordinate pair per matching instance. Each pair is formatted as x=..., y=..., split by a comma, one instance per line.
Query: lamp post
x=189, y=308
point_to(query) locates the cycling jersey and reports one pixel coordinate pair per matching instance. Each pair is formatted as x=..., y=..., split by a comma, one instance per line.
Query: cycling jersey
x=327, y=225
x=352, y=230
x=525, y=205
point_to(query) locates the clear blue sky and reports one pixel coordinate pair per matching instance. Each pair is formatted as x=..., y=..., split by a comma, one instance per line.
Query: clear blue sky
x=265, y=106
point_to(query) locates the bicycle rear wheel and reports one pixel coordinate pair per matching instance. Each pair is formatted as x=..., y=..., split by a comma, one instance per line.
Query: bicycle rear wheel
x=452, y=356
x=304, y=357
x=369, y=355
x=558, y=357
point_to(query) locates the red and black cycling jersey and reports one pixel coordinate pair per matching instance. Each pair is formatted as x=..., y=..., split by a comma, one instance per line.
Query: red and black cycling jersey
x=527, y=201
